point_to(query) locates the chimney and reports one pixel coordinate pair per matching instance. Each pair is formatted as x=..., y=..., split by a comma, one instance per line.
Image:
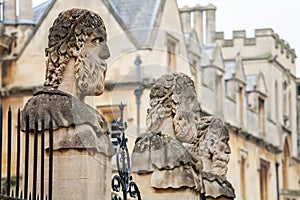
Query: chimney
x=25, y=12
x=10, y=12
x=198, y=22
x=185, y=14
x=210, y=23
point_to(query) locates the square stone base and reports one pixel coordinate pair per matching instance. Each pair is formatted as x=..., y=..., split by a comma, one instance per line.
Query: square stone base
x=81, y=175
x=143, y=181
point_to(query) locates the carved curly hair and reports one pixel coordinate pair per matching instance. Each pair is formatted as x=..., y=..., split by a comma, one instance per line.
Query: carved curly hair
x=168, y=97
x=66, y=39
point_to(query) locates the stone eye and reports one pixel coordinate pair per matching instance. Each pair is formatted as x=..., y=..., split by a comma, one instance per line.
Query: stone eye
x=98, y=40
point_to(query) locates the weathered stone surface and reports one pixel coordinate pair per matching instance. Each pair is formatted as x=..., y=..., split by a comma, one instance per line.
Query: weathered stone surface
x=181, y=149
x=86, y=177
x=76, y=124
x=158, y=152
x=181, y=176
x=174, y=125
x=65, y=110
x=217, y=187
x=214, y=149
x=150, y=193
x=76, y=68
x=214, y=152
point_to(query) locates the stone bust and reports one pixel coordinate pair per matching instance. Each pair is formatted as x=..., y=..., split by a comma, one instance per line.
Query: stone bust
x=215, y=150
x=181, y=148
x=215, y=154
x=173, y=127
x=75, y=68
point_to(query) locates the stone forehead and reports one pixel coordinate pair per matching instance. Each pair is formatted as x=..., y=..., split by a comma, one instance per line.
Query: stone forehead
x=217, y=128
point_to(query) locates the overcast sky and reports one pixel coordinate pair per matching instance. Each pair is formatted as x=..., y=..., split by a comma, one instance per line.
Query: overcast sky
x=280, y=15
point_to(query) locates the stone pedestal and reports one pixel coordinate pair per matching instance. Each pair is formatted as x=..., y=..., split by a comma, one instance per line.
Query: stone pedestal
x=150, y=193
x=81, y=175
x=219, y=198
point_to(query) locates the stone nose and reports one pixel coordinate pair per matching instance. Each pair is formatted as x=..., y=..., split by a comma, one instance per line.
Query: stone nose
x=228, y=149
x=105, y=53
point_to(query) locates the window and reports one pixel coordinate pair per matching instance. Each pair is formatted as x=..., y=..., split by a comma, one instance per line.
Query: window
x=115, y=132
x=284, y=102
x=285, y=164
x=290, y=111
x=111, y=114
x=195, y=73
x=264, y=179
x=202, y=76
x=243, y=157
x=1, y=10
x=219, y=95
x=261, y=115
x=276, y=101
x=171, y=48
x=241, y=104
x=242, y=172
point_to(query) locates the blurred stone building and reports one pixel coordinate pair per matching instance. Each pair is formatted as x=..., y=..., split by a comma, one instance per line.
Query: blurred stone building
x=249, y=82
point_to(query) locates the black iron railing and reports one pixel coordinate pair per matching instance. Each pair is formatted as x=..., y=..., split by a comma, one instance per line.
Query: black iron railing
x=12, y=189
x=123, y=180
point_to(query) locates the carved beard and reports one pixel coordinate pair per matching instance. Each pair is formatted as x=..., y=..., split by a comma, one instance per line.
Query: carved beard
x=91, y=76
x=219, y=164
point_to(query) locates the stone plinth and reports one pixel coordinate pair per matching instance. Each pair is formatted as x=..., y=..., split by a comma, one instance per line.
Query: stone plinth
x=150, y=193
x=81, y=175
x=219, y=198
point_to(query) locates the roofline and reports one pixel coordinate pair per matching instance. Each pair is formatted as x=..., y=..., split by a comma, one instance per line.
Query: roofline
x=258, y=92
x=236, y=79
x=255, y=139
x=123, y=26
x=157, y=21
x=270, y=60
x=36, y=28
x=214, y=66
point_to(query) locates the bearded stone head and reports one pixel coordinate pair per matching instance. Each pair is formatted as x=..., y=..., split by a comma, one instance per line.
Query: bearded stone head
x=215, y=149
x=80, y=35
